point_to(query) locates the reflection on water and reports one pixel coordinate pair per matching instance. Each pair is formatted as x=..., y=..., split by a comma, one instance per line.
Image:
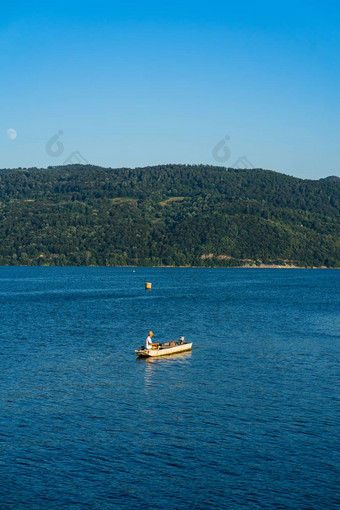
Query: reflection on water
x=155, y=363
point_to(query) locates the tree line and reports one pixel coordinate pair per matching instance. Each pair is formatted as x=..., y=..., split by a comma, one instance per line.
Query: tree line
x=176, y=215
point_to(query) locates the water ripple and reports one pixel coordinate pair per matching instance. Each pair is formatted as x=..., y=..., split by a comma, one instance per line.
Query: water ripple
x=248, y=419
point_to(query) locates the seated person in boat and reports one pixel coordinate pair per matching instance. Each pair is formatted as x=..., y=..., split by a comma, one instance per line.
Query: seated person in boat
x=149, y=344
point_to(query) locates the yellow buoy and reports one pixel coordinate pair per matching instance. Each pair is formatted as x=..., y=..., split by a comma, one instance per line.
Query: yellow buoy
x=148, y=286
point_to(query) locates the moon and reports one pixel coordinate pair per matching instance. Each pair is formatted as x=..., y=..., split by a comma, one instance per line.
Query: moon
x=11, y=133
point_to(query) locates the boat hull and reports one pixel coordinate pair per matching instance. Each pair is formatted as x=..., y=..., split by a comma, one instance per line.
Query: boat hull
x=163, y=351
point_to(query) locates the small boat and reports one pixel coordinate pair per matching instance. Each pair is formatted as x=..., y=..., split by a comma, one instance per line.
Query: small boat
x=165, y=349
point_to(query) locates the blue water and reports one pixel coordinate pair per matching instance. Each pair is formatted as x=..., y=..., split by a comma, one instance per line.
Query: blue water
x=248, y=419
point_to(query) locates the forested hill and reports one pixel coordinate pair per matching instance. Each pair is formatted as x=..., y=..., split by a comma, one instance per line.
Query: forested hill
x=167, y=215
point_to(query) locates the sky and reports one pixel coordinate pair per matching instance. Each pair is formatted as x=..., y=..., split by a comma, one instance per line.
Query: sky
x=124, y=84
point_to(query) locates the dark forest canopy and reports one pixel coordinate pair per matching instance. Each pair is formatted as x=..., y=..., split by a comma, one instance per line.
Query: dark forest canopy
x=173, y=215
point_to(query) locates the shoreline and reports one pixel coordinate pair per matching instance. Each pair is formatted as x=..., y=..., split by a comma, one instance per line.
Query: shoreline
x=262, y=266
x=246, y=266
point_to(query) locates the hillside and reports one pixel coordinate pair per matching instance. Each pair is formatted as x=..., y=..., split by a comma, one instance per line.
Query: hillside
x=167, y=215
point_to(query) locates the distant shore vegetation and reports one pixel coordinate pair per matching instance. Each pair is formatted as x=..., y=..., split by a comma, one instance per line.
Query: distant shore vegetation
x=168, y=215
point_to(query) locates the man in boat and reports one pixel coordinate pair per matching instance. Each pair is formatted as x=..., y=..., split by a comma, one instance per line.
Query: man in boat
x=148, y=342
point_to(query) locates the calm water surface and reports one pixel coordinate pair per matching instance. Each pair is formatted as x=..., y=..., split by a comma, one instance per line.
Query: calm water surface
x=248, y=419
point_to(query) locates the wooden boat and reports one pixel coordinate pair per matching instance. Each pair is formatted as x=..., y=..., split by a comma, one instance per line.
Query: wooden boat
x=164, y=349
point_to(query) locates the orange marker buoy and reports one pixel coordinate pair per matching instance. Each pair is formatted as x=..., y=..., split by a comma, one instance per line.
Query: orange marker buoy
x=148, y=286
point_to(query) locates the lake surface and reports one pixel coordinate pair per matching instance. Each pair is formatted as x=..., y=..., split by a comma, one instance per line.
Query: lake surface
x=248, y=419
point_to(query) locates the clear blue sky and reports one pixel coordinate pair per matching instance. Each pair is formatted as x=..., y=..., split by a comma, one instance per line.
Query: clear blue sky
x=144, y=83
